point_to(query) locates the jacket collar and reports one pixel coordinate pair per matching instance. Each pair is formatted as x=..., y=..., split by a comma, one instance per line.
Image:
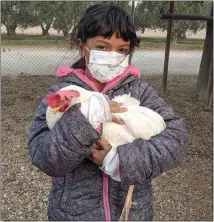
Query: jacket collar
x=65, y=73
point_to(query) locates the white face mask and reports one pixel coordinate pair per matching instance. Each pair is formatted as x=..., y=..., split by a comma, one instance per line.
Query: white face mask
x=105, y=66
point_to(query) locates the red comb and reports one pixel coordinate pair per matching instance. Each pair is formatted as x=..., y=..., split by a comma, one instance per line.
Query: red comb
x=53, y=100
x=61, y=98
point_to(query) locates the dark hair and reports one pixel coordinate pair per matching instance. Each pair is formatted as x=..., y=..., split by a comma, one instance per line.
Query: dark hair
x=104, y=20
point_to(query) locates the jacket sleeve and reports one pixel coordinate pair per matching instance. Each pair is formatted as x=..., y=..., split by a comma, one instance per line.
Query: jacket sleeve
x=146, y=159
x=59, y=151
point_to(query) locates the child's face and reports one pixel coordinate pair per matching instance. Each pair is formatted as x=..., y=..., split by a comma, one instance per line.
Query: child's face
x=105, y=44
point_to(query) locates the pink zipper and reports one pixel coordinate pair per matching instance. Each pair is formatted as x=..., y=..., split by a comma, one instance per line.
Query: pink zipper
x=105, y=198
x=105, y=190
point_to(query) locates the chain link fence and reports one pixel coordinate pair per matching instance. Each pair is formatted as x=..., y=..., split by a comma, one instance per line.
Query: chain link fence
x=31, y=53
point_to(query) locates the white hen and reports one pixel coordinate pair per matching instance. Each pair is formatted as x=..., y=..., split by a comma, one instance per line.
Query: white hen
x=140, y=122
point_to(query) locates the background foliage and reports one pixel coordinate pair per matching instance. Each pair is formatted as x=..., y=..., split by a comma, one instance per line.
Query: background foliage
x=64, y=15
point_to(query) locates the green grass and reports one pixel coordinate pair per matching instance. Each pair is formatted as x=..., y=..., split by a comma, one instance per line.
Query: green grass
x=31, y=37
x=159, y=43
x=59, y=41
x=33, y=40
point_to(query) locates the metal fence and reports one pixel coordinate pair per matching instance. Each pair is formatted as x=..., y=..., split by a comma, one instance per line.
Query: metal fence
x=30, y=53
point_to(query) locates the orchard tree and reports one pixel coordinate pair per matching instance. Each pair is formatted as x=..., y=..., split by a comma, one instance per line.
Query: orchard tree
x=14, y=14
x=180, y=27
x=67, y=14
x=44, y=13
x=148, y=16
x=123, y=4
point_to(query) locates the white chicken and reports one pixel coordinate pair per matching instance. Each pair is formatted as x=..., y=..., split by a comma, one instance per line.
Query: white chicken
x=140, y=122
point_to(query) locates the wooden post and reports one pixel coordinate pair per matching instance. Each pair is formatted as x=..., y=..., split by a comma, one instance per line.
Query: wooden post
x=210, y=88
x=133, y=9
x=186, y=17
x=206, y=60
x=168, y=41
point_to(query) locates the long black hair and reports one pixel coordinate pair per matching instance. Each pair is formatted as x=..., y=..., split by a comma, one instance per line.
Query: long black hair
x=104, y=20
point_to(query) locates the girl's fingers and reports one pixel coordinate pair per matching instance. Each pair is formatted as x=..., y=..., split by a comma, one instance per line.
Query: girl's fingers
x=117, y=120
x=118, y=109
x=95, y=146
x=100, y=142
x=115, y=104
x=112, y=103
x=104, y=145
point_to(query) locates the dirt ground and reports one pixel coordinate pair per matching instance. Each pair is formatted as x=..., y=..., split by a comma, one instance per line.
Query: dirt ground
x=183, y=194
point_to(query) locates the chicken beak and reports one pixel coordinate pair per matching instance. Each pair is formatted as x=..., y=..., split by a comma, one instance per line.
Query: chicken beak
x=55, y=110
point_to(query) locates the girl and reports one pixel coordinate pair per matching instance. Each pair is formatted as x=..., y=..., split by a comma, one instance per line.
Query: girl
x=89, y=182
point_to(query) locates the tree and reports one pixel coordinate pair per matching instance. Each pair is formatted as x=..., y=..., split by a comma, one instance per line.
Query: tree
x=148, y=16
x=67, y=14
x=14, y=14
x=181, y=27
x=44, y=13
x=123, y=4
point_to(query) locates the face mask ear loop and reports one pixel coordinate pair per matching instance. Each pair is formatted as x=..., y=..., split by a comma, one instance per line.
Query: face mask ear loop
x=123, y=59
x=87, y=48
x=85, y=56
x=86, y=61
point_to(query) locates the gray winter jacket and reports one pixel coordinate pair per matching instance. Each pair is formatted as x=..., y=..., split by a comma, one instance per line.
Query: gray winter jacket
x=80, y=190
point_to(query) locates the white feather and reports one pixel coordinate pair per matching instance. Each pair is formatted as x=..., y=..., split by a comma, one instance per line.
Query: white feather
x=127, y=100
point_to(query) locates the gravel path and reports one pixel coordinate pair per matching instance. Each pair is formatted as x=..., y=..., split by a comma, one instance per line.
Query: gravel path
x=184, y=193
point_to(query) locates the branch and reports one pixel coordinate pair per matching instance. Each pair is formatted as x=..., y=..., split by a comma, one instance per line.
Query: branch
x=186, y=17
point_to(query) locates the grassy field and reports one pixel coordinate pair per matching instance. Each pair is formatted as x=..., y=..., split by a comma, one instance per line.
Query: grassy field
x=59, y=41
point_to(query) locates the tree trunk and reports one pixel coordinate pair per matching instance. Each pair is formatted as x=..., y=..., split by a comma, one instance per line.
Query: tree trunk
x=11, y=30
x=47, y=27
x=45, y=30
x=65, y=32
x=173, y=39
x=178, y=35
x=203, y=77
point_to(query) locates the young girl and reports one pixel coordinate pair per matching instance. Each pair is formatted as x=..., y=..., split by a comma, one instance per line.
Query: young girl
x=83, y=187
